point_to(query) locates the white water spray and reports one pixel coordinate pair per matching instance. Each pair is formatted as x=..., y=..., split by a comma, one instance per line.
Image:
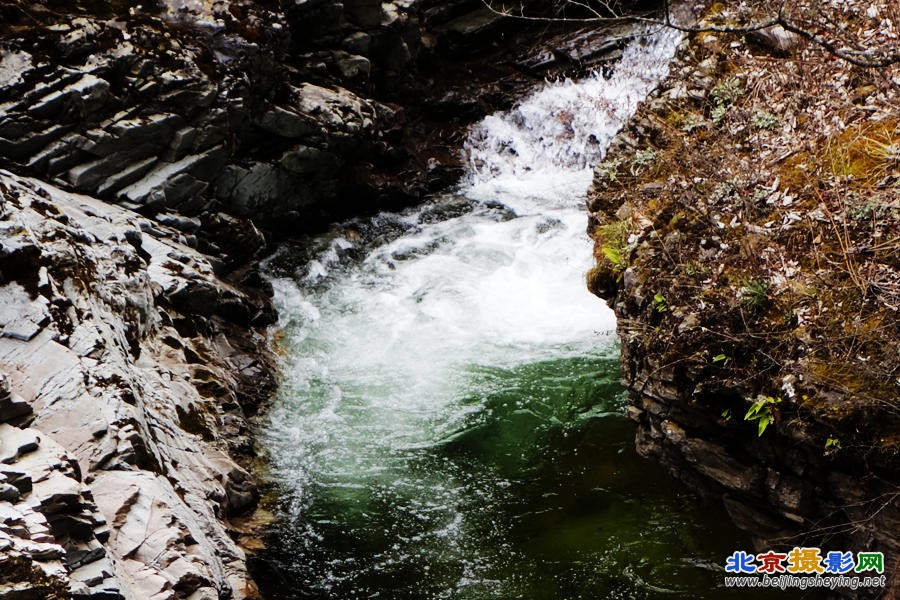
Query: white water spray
x=542, y=151
x=381, y=349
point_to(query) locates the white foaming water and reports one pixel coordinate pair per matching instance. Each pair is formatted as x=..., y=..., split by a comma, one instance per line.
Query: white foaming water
x=541, y=152
x=380, y=348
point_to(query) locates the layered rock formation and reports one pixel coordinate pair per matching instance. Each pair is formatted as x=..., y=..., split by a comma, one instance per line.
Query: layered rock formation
x=240, y=107
x=186, y=112
x=132, y=367
x=746, y=228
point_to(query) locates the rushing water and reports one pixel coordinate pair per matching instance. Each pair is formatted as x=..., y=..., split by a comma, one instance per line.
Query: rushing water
x=450, y=424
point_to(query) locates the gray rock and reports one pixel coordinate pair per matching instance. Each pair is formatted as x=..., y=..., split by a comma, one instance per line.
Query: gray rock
x=15, y=442
x=178, y=222
x=285, y=123
x=354, y=68
x=13, y=65
x=14, y=410
x=109, y=394
x=181, y=188
x=358, y=42
x=776, y=38
x=157, y=185
x=183, y=141
x=20, y=479
x=85, y=96
x=9, y=493
x=304, y=160
x=21, y=318
x=78, y=555
x=92, y=574
x=126, y=176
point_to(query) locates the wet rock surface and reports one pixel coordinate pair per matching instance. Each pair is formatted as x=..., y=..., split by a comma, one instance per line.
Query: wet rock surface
x=127, y=376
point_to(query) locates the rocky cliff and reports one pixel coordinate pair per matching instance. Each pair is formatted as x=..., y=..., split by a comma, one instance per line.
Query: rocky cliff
x=745, y=229
x=129, y=369
x=190, y=109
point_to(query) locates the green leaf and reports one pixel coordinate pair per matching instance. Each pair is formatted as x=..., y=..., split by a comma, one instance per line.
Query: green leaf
x=660, y=303
x=719, y=358
x=764, y=422
x=752, y=413
x=614, y=256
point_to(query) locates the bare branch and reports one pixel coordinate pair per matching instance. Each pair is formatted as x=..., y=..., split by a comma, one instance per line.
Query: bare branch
x=869, y=59
x=861, y=57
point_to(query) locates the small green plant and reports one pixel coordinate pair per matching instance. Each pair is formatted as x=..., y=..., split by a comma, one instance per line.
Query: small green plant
x=721, y=360
x=726, y=414
x=614, y=238
x=608, y=169
x=863, y=212
x=761, y=412
x=660, y=302
x=755, y=295
x=761, y=194
x=722, y=191
x=718, y=113
x=615, y=257
x=727, y=91
x=641, y=159
x=693, y=269
x=832, y=445
x=724, y=95
x=692, y=122
x=764, y=120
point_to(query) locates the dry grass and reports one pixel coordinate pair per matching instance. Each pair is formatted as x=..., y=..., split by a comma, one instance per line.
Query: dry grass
x=867, y=153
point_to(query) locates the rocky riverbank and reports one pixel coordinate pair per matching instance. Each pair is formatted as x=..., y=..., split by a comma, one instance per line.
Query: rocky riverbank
x=746, y=230
x=129, y=371
x=293, y=118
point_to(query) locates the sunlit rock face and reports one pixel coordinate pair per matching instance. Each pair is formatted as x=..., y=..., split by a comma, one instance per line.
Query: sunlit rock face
x=123, y=395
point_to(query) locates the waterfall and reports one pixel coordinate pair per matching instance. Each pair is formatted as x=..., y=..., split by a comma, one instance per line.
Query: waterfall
x=449, y=381
x=542, y=151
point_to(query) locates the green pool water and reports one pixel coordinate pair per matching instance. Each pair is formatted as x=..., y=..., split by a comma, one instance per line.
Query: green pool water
x=535, y=492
